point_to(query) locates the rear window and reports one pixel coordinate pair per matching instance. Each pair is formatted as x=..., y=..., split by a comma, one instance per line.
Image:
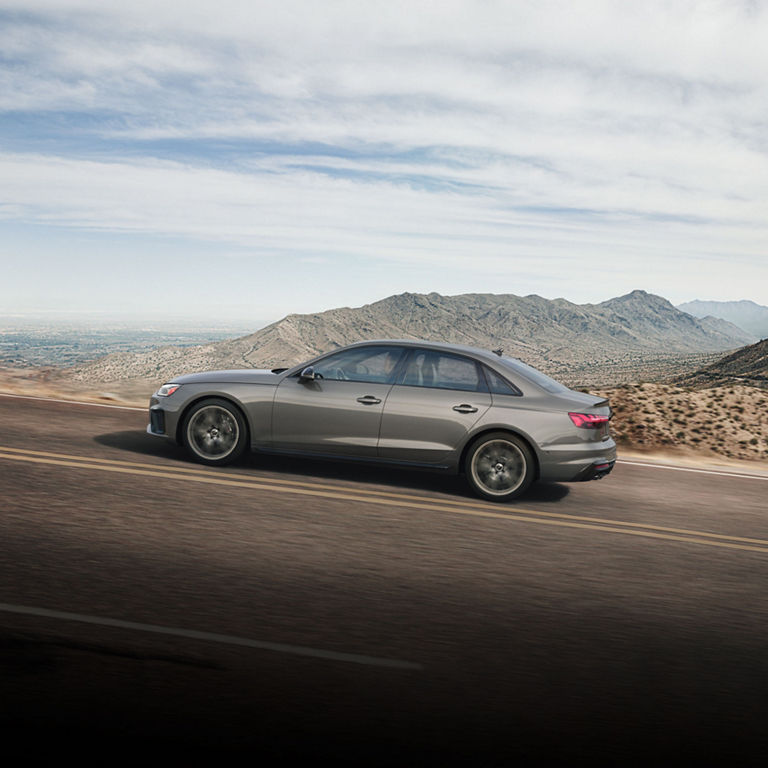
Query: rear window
x=537, y=377
x=499, y=385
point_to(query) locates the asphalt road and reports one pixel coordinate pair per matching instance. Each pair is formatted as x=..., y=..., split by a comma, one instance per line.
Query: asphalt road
x=296, y=609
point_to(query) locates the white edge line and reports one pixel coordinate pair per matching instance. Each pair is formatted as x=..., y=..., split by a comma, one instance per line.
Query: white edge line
x=75, y=402
x=297, y=650
x=724, y=473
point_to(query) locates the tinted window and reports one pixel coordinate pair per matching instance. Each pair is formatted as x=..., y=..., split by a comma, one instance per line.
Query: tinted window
x=440, y=371
x=499, y=385
x=537, y=377
x=371, y=364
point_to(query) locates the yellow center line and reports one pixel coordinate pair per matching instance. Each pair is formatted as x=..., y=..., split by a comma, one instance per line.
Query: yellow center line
x=519, y=515
x=217, y=473
x=372, y=495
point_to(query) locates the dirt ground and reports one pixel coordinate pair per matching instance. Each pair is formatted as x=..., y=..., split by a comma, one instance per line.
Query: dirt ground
x=729, y=422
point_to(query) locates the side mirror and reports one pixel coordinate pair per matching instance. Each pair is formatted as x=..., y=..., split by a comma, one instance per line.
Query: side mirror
x=308, y=374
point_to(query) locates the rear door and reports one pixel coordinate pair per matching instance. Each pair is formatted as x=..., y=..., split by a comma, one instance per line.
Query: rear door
x=439, y=398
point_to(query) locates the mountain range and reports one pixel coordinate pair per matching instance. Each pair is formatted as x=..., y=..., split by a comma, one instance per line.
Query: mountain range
x=748, y=315
x=555, y=335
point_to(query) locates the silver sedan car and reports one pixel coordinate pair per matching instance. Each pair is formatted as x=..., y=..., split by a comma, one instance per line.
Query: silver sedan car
x=418, y=403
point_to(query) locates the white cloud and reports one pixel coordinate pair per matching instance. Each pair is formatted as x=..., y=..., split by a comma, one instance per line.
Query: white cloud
x=407, y=133
x=278, y=206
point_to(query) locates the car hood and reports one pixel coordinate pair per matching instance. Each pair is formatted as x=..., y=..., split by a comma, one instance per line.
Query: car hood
x=245, y=376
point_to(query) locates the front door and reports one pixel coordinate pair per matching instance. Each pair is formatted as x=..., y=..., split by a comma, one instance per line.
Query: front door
x=338, y=412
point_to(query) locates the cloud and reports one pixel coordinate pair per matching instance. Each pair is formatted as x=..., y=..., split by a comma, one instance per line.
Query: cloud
x=282, y=205
x=430, y=133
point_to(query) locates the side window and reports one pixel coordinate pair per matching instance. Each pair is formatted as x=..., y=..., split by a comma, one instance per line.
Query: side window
x=500, y=386
x=441, y=371
x=367, y=364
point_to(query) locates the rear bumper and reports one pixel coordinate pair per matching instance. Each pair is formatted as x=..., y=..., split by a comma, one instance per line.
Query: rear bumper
x=595, y=471
x=575, y=463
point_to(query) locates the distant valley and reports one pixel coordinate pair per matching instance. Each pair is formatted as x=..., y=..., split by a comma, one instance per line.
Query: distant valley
x=35, y=342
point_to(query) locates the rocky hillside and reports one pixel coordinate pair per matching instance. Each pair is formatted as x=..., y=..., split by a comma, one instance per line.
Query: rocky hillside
x=748, y=315
x=555, y=335
x=748, y=365
x=728, y=422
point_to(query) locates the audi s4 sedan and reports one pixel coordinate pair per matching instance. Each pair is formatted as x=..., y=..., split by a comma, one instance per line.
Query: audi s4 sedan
x=418, y=403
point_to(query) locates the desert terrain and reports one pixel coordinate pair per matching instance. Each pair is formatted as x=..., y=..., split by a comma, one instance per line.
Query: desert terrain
x=715, y=424
x=712, y=423
x=678, y=386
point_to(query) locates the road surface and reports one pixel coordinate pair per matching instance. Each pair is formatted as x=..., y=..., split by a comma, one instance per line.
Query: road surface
x=295, y=609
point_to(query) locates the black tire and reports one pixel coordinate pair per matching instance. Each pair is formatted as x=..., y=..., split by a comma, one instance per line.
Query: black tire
x=214, y=432
x=499, y=466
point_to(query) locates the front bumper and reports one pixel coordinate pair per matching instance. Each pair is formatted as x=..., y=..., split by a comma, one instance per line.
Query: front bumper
x=162, y=418
x=156, y=424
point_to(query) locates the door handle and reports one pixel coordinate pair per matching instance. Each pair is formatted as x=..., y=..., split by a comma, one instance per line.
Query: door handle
x=369, y=400
x=465, y=408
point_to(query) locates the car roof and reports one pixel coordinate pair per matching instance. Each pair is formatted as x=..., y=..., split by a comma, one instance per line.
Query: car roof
x=436, y=345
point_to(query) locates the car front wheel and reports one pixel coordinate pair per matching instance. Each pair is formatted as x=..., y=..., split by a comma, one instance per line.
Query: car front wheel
x=214, y=432
x=499, y=467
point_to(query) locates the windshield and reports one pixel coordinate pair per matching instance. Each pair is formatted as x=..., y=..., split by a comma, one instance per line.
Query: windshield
x=537, y=377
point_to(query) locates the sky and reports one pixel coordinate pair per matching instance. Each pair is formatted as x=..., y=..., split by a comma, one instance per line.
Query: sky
x=244, y=160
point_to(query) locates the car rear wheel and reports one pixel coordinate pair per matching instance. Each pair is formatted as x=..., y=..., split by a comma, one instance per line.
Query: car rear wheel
x=214, y=432
x=499, y=467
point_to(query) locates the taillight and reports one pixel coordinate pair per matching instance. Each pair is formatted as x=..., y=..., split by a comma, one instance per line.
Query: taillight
x=588, y=420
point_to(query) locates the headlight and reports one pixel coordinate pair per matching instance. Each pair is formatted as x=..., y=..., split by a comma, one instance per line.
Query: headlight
x=167, y=389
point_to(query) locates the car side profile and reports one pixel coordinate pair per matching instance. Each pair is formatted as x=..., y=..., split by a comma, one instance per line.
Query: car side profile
x=446, y=407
